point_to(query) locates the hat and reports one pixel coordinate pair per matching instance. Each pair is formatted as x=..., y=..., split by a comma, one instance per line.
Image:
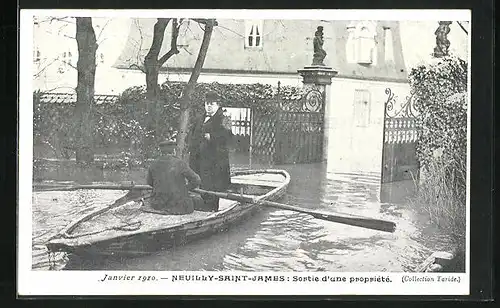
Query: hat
x=168, y=143
x=211, y=96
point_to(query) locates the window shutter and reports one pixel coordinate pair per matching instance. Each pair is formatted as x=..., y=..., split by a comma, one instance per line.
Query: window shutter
x=250, y=37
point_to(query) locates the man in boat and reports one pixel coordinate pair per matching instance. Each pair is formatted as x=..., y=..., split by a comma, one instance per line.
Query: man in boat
x=168, y=175
x=209, y=149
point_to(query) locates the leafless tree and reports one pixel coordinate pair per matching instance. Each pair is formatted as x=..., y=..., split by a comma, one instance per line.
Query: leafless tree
x=185, y=102
x=153, y=62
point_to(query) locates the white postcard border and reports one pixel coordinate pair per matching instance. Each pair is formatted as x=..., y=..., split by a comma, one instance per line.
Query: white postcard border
x=87, y=282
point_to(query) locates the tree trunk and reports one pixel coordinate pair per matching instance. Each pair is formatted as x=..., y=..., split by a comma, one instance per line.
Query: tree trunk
x=151, y=64
x=185, y=105
x=86, y=66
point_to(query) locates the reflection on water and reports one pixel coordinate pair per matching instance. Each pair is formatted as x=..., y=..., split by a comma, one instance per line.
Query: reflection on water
x=298, y=242
x=278, y=240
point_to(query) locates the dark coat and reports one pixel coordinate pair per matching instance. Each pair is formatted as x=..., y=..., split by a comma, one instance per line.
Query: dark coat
x=210, y=158
x=168, y=175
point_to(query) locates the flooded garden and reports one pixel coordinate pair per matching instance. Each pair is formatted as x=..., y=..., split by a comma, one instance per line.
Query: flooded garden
x=270, y=240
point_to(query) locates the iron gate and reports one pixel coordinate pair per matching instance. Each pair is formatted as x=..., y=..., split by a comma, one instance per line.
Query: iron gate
x=292, y=130
x=400, y=135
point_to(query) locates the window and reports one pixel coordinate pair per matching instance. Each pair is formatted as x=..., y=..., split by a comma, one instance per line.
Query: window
x=253, y=33
x=362, y=108
x=361, y=43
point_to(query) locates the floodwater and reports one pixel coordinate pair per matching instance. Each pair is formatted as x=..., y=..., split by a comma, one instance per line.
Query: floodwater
x=270, y=240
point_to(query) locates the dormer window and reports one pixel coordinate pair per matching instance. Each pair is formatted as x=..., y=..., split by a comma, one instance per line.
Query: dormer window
x=253, y=30
x=361, y=43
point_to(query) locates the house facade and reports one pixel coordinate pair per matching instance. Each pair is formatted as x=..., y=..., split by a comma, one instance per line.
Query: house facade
x=367, y=56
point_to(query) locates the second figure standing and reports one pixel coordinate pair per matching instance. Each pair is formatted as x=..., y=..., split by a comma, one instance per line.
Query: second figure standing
x=209, y=149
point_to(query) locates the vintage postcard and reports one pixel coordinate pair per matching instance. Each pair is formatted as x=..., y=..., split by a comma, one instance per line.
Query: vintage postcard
x=244, y=152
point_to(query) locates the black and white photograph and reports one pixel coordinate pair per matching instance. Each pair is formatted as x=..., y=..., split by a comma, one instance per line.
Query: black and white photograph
x=244, y=152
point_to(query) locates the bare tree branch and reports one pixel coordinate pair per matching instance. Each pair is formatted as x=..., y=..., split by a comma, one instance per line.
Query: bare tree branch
x=212, y=22
x=137, y=67
x=138, y=60
x=157, y=42
x=69, y=36
x=186, y=50
x=239, y=34
x=67, y=63
x=463, y=28
x=173, y=44
x=58, y=88
x=199, y=26
x=195, y=35
x=39, y=73
x=61, y=19
x=184, y=103
x=102, y=30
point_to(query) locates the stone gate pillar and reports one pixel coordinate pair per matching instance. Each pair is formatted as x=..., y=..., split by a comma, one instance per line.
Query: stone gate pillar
x=319, y=78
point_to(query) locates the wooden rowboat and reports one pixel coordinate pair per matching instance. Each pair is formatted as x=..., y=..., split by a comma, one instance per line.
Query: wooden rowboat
x=128, y=228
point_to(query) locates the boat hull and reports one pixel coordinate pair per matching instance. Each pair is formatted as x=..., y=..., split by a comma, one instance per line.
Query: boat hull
x=150, y=241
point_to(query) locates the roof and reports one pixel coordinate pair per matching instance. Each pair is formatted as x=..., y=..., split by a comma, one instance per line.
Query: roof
x=287, y=47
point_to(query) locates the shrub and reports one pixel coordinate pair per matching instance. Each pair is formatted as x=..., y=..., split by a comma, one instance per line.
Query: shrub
x=442, y=195
x=133, y=124
x=441, y=100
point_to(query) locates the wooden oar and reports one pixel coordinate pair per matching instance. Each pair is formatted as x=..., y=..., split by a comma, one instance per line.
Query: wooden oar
x=358, y=221
x=51, y=187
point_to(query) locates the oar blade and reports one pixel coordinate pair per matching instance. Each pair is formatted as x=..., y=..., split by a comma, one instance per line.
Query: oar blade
x=363, y=222
x=369, y=223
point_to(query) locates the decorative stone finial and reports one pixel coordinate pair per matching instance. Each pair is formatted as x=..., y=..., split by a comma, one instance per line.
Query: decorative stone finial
x=442, y=42
x=319, y=53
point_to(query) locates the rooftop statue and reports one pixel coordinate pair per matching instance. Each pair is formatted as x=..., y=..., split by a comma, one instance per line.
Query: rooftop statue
x=319, y=53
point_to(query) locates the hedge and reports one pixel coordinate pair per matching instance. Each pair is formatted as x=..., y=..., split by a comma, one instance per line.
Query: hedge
x=440, y=97
x=130, y=124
